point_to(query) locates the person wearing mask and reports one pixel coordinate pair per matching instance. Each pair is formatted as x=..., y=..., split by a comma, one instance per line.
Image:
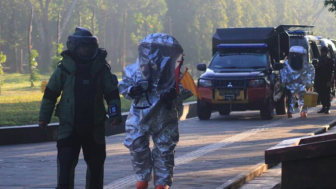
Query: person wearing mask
x=83, y=80
x=297, y=75
x=323, y=78
x=157, y=104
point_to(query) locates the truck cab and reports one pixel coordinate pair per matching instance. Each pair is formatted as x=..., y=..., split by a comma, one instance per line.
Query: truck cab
x=242, y=75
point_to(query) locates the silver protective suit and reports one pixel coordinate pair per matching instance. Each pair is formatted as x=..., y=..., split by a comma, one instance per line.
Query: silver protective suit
x=158, y=55
x=297, y=80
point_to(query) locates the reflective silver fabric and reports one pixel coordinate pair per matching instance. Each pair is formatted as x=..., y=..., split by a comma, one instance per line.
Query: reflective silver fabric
x=296, y=81
x=158, y=56
x=156, y=121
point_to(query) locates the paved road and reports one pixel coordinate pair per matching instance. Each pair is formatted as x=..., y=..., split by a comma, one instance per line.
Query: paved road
x=209, y=152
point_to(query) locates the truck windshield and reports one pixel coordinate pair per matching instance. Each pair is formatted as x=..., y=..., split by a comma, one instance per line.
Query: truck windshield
x=298, y=41
x=239, y=61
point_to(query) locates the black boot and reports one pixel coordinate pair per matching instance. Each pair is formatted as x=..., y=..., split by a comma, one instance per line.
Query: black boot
x=327, y=111
x=322, y=110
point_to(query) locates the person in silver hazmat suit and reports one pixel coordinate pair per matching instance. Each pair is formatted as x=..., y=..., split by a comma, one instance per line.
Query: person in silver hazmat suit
x=297, y=75
x=156, y=107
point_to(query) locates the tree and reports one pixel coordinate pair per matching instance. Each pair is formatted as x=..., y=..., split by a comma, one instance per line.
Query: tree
x=46, y=14
x=57, y=57
x=33, y=67
x=332, y=4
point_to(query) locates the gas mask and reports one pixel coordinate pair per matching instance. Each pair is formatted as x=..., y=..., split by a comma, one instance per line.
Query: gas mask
x=296, y=61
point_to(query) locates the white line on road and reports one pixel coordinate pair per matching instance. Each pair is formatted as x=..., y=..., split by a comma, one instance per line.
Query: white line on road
x=126, y=182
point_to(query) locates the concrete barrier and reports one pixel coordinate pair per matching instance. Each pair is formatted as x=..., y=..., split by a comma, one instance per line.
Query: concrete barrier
x=33, y=134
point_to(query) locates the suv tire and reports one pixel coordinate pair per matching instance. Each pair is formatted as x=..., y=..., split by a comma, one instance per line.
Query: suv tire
x=267, y=109
x=204, y=110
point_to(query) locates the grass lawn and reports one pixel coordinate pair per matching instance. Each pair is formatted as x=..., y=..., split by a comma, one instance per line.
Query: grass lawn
x=20, y=103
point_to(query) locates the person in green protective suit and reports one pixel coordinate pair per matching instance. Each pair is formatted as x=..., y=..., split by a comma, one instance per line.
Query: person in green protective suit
x=83, y=80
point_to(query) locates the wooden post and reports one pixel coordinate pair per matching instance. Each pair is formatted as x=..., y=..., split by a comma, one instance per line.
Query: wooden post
x=30, y=29
x=93, y=18
x=124, y=42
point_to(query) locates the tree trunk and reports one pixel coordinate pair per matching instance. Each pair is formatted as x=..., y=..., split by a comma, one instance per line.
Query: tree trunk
x=58, y=32
x=21, y=61
x=104, y=29
x=0, y=84
x=0, y=35
x=93, y=20
x=12, y=40
x=29, y=45
x=79, y=18
x=170, y=26
x=124, y=42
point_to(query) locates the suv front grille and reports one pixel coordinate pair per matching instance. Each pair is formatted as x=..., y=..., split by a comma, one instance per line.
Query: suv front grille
x=230, y=83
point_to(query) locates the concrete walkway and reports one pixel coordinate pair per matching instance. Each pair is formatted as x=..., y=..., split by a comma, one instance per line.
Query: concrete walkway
x=209, y=154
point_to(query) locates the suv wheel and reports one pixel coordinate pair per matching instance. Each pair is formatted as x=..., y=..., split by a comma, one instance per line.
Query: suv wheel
x=224, y=110
x=281, y=105
x=204, y=110
x=267, y=109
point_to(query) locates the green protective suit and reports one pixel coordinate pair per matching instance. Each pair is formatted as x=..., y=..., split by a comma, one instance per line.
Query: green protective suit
x=62, y=83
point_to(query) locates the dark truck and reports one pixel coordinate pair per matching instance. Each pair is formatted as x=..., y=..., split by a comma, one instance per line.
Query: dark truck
x=299, y=35
x=243, y=73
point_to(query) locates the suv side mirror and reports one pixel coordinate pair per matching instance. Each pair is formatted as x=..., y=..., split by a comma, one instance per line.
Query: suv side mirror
x=315, y=61
x=201, y=67
x=278, y=66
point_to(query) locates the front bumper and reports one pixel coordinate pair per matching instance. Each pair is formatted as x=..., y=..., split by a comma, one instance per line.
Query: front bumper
x=242, y=96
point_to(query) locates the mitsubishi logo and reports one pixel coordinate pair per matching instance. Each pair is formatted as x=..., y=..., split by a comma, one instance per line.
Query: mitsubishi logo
x=229, y=85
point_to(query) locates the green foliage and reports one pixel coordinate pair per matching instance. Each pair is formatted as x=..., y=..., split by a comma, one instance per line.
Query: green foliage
x=33, y=67
x=146, y=25
x=192, y=22
x=331, y=3
x=3, y=59
x=57, y=57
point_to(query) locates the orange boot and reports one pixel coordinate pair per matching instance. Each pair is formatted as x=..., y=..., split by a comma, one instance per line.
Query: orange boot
x=142, y=185
x=162, y=187
x=304, y=115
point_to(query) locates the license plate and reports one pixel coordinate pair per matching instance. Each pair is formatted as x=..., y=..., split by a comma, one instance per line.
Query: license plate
x=225, y=92
x=229, y=97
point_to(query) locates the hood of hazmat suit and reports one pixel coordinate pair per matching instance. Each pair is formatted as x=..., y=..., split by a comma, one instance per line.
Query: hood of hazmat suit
x=158, y=57
x=297, y=72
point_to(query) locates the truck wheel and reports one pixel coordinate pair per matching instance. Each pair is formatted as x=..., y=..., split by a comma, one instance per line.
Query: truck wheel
x=281, y=105
x=267, y=110
x=204, y=110
x=224, y=110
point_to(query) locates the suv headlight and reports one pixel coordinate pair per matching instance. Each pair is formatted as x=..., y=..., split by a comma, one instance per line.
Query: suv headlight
x=205, y=83
x=257, y=83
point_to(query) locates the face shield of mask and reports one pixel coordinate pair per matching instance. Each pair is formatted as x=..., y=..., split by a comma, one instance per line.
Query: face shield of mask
x=296, y=61
x=86, y=51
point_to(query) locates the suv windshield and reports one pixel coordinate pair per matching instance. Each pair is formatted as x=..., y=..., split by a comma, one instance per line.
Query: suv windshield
x=239, y=61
